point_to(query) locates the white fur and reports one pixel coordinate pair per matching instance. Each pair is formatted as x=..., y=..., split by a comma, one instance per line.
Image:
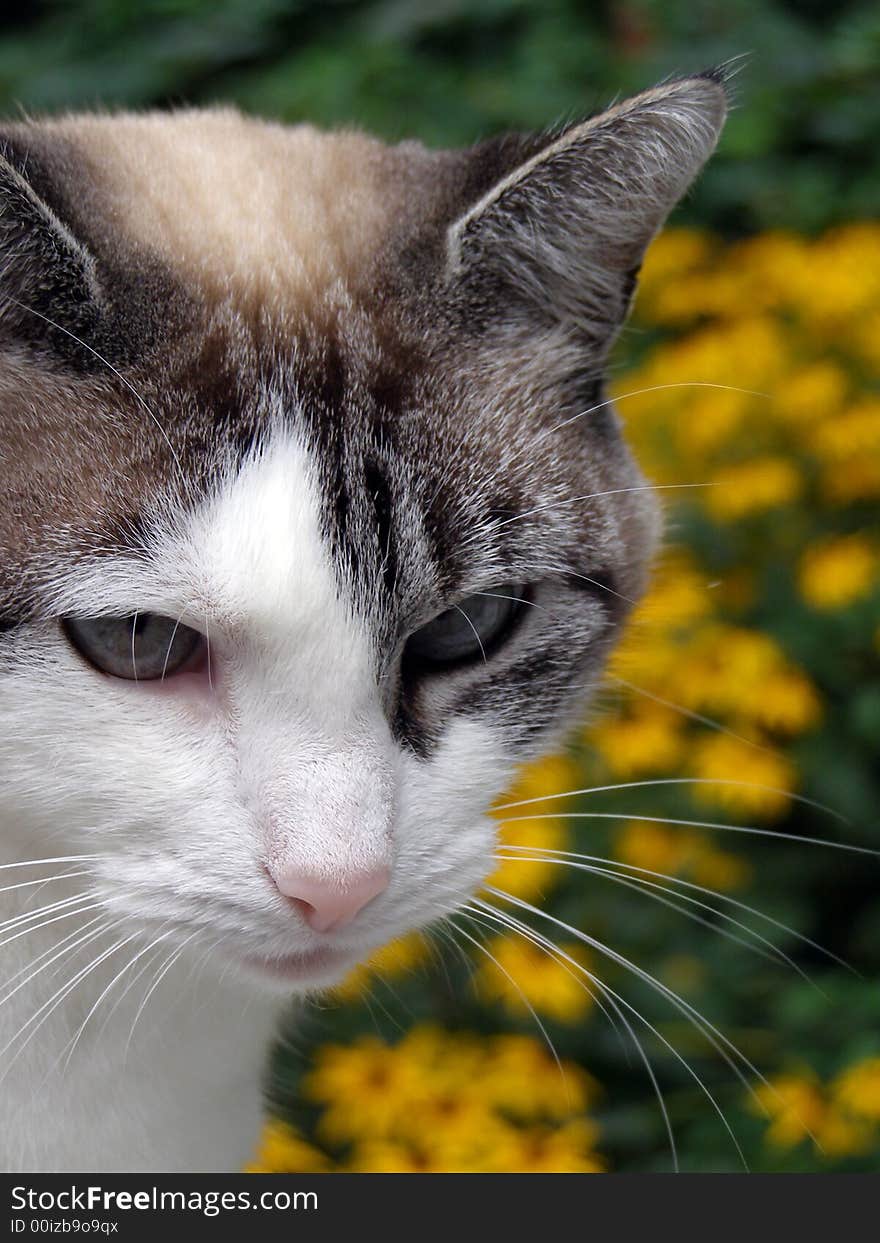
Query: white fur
x=185, y=794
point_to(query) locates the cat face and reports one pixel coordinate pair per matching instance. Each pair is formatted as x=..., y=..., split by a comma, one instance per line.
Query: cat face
x=315, y=522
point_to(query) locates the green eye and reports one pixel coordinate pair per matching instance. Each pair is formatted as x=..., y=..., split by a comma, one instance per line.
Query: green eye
x=140, y=648
x=468, y=631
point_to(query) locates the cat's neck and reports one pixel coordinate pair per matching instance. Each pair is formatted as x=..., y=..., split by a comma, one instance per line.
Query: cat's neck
x=99, y=1079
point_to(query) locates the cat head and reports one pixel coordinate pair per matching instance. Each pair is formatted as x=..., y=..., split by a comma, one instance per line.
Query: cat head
x=314, y=521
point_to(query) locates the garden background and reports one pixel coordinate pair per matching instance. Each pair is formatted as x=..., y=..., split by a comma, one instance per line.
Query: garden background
x=764, y=618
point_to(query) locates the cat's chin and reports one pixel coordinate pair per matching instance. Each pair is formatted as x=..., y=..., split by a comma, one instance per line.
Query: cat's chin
x=306, y=972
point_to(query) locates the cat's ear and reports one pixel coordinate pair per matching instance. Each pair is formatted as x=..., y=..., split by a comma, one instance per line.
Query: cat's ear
x=46, y=274
x=562, y=236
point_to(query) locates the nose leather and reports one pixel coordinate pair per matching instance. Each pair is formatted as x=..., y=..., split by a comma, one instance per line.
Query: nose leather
x=329, y=904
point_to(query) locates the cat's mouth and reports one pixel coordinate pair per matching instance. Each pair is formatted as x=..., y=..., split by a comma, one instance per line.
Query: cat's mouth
x=320, y=967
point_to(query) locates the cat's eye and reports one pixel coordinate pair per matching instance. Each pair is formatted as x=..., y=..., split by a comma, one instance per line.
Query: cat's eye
x=470, y=630
x=141, y=647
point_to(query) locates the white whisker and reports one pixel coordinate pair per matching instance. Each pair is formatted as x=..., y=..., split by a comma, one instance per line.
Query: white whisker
x=637, y=392
x=653, y=891
x=725, y=1047
x=29, y=863
x=70, y=909
x=458, y=609
x=510, y=924
x=698, y=717
x=53, y=1002
x=168, y=964
x=694, y=824
x=671, y=781
x=26, y=884
x=76, y=1039
x=688, y=884
x=528, y=1005
x=592, y=496
x=654, y=1031
x=80, y=936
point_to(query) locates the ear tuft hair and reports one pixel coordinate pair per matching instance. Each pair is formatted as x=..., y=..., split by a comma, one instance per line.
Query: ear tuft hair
x=45, y=273
x=564, y=234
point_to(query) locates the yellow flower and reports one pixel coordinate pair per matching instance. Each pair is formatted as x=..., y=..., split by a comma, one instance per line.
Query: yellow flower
x=440, y=1059
x=364, y=1087
x=497, y=1147
x=840, y=1135
x=674, y=253
x=714, y=419
x=813, y=392
x=396, y=959
x=566, y=1150
x=391, y=1156
x=776, y=266
x=521, y=1077
x=739, y=675
x=520, y=813
x=673, y=851
x=654, y=847
x=837, y=572
x=438, y=1101
x=851, y=479
x=538, y=783
x=798, y=1109
x=485, y=1148
x=867, y=337
x=840, y=1122
x=742, y=779
x=648, y=739
x=787, y=703
x=678, y=596
x=722, y=671
x=795, y=1107
x=752, y=487
x=282, y=1150
x=857, y=1089
x=649, y=656
x=719, y=869
x=850, y=434
x=524, y=975
x=723, y=667
x=845, y=265
x=520, y=875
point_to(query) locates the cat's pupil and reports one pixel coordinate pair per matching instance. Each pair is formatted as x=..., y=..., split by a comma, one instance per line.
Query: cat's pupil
x=470, y=630
x=140, y=647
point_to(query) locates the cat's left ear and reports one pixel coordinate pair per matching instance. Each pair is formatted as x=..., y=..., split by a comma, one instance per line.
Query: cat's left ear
x=562, y=236
x=49, y=289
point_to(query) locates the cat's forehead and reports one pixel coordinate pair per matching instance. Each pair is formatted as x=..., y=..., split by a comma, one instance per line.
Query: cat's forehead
x=432, y=326
x=238, y=208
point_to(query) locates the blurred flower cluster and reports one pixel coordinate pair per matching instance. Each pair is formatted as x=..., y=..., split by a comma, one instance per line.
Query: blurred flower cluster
x=438, y=1102
x=839, y=1118
x=743, y=702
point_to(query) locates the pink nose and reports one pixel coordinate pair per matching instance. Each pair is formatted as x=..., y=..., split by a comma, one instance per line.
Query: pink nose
x=326, y=906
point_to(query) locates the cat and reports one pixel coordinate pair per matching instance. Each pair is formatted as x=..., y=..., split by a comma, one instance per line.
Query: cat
x=313, y=527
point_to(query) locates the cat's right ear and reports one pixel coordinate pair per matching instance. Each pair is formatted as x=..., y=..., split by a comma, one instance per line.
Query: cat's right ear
x=559, y=239
x=49, y=290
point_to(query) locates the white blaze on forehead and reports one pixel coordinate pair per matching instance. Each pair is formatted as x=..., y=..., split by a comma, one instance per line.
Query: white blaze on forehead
x=250, y=560
x=259, y=547
x=316, y=755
